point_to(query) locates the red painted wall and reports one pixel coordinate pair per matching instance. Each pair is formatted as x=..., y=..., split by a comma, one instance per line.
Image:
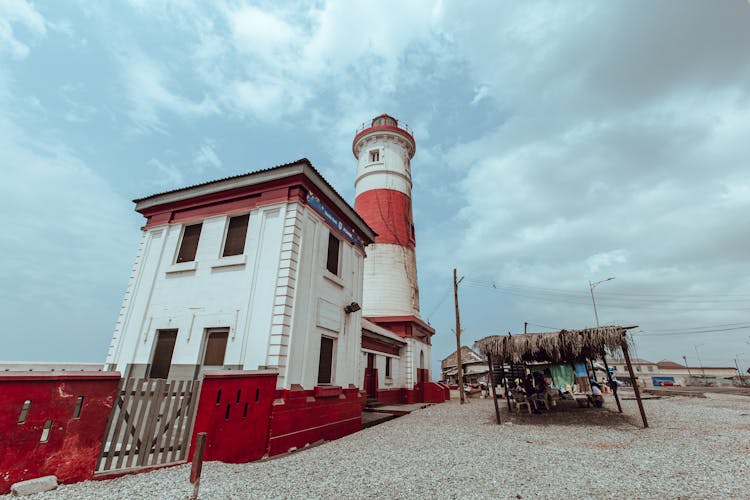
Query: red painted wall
x=392, y=396
x=434, y=393
x=235, y=411
x=388, y=212
x=73, y=445
x=301, y=417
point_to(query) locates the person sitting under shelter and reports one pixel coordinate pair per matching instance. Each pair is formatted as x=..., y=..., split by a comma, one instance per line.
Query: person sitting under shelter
x=596, y=395
x=528, y=385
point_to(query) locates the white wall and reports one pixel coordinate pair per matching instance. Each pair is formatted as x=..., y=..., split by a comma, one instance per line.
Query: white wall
x=398, y=368
x=277, y=299
x=319, y=307
x=392, y=171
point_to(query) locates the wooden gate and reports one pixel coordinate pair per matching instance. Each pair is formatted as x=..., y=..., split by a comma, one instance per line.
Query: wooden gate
x=150, y=424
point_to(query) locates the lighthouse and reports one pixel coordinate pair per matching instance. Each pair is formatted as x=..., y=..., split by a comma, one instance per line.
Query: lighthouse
x=383, y=186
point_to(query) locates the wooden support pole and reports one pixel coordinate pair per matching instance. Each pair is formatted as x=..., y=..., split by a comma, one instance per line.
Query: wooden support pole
x=636, y=389
x=492, y=388
x=505, y=384
x=611, y=385
x=459, y=369
x=197, y=468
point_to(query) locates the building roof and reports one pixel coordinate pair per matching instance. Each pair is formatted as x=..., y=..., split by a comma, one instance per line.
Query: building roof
x=301, y=166
x=371, y=327
x=467, y=356
x=666, y=364
x=634, y=361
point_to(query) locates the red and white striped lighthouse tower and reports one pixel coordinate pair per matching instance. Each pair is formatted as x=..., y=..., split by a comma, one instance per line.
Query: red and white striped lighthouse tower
x=383, y=198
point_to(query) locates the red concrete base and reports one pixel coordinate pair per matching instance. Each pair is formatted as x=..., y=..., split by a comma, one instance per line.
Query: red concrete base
x=434, y=393
x=70, y=445
x=300, y=418
x=392, y=396
x=234, y=411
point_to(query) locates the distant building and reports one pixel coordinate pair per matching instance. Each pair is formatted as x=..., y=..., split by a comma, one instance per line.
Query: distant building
x=474, y=367
x=667, y=372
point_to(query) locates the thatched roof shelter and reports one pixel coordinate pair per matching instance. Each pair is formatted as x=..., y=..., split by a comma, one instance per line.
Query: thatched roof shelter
x=565, y=346
x=554, y=347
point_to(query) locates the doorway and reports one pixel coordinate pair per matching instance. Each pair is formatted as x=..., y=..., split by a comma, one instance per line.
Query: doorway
x=371, y=377
x=161, y=361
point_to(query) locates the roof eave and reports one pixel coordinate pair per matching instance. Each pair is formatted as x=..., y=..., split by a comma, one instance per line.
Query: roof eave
x=302, y=166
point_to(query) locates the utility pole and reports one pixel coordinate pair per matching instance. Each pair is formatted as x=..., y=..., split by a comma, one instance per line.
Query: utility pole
x=460, y=371
x=688, y=367
x=596, y=317
x=700, y=363
x=591, y=289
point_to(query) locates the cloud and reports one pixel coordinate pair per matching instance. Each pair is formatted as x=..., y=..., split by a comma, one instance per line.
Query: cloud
x=62, y=244
x=169, y=176
x=149, y=87
x=206, y=156
x=22, y=13
x=268, y=63
x=479, y=94
x=603, y=260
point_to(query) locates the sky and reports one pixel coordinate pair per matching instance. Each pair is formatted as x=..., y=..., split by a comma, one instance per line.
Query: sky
x=558, y=143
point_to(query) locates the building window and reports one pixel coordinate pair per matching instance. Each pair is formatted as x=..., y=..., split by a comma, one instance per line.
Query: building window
x=374, y=155
x=216, y=347
x=325, y=365
x=650, y=368
x=388, y=367
x=332, y=263
x=637, y=368
x=189, y=244
x=236, y=232
x=162, y=359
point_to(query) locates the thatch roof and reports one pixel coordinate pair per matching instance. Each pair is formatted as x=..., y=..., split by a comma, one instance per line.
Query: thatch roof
x=467, y=356
x=553, y=347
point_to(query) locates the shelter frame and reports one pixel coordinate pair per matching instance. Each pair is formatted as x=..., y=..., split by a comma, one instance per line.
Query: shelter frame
x=562, y=346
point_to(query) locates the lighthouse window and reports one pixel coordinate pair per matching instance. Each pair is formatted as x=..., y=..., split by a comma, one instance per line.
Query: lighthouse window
x=236, y=232
x=189, y=244
x=332, y=264
x=374, y=155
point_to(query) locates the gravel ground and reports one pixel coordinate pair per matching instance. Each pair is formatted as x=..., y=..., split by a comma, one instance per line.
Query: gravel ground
x=695, y=448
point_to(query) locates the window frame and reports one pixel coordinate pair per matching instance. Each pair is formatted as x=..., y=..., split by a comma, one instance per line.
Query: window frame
x=332, y=236
x=225, y=241
x=204, y=348
x=157, y=336
x=185, y=227
x=388, y=367
x=332, y=367
x=374, y=155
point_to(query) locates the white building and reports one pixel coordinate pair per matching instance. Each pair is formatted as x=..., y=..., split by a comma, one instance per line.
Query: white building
x=261, y=270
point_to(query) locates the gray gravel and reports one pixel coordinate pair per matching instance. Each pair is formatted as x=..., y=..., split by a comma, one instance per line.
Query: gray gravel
x=695, y=448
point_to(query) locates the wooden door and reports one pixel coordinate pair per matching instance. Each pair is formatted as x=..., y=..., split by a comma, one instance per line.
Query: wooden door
x=371, y=377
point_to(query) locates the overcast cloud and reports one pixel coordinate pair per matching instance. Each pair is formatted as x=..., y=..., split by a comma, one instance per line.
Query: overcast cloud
x=556, y=143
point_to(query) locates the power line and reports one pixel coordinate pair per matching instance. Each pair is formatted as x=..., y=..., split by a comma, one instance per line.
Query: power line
x=725, y=330
x=640, y=296
x=630, y=304
x=447, y=294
